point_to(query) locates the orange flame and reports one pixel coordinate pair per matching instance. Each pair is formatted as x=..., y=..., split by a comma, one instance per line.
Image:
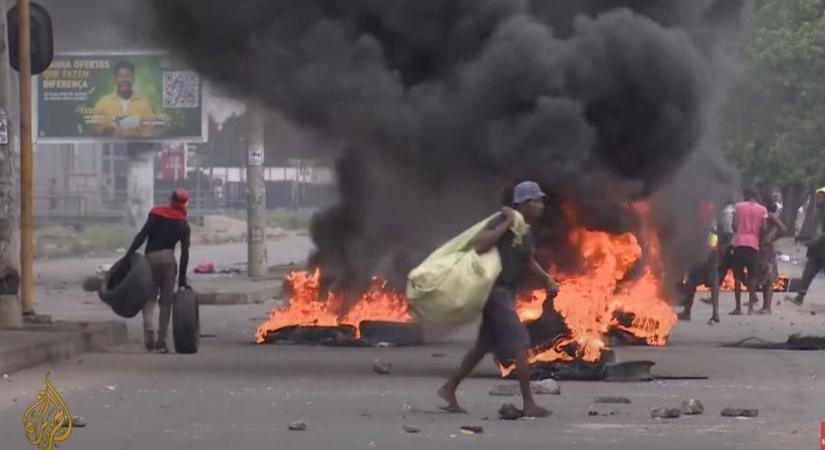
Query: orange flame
x=727, y=285
x=308, y=307
x=592, y=300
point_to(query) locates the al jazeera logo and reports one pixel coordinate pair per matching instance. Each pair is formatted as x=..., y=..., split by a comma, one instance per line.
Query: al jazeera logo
x=47, y=421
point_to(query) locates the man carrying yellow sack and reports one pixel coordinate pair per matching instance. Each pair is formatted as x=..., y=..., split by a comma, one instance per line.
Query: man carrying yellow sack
x=501, y=332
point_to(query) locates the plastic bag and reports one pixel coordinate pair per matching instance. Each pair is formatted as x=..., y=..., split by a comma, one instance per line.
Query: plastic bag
x=451, y=286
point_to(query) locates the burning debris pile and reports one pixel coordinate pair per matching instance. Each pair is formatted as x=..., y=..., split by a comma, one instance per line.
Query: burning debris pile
x=441, y=105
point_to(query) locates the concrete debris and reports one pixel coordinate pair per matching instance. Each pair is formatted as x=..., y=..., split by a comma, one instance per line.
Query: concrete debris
x=411, y=429
x=438, y=355
x=77, y=422
x=692, y=407
x=592, y=412
x=613, y=400
x=381, y=368
x=300, y=425
x=508, y=411
x=546, y=387
x=666, y=413
x=740, y=412
x=471, y=429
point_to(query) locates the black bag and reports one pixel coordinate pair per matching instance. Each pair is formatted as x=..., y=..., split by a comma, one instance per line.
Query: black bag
x=127, y=286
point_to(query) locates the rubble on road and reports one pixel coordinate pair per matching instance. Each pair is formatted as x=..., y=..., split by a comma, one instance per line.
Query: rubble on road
x=508, y=411
x=692, y=407
x=740, y=412
x=612, y=400
x=471, y=429
x=411, y=429
x=299, y=425
x=666, y=413
x=381, y=368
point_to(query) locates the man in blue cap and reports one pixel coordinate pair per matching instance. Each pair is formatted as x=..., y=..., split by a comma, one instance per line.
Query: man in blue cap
x=502, y=333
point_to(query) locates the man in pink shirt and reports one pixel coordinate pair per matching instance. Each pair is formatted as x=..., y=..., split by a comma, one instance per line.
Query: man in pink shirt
x=748, y=221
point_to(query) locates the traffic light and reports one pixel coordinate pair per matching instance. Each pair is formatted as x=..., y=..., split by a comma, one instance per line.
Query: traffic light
x=42, y=38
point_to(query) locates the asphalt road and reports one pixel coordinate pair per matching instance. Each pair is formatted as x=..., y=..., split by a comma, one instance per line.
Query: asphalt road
x=234, y=394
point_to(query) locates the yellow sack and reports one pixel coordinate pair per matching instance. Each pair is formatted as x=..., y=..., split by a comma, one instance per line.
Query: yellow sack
x=451, y=286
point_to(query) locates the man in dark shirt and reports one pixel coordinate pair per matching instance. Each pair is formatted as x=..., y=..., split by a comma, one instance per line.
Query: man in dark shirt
x=812, y=235
x=501, y=332
x=164, y=228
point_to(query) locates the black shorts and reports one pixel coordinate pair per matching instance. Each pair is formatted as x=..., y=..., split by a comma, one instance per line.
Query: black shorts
x=745, y=258
x=502, y=333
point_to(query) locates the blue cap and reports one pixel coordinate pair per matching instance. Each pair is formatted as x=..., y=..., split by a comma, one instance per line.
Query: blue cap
x=527, y=191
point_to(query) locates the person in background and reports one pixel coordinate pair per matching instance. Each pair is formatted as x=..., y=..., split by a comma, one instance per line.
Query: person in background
x=165, y=227
x=707, y=272
x=749, y=219
x=501, y=332
x=812, y=235
x=725, y=234
x=776, y=198
x=768, y=271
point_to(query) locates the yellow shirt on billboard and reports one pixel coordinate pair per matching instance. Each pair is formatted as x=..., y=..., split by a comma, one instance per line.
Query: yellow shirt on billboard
x=115, y=116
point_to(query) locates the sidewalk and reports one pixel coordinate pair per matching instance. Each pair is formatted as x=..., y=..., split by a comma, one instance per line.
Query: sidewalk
x=39, y=343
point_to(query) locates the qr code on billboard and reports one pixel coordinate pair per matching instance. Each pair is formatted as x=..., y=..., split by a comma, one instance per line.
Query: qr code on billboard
x=181, y=89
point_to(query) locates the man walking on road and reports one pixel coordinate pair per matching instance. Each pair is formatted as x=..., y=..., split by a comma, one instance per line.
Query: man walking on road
x=812, y=234
x=502, y=333
x=165, y=227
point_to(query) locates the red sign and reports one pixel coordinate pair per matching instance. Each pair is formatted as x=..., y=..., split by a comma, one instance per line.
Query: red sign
x=172, y=162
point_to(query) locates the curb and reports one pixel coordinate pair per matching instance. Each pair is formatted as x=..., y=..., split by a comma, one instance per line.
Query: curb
x=252, y=296
x=41, y=343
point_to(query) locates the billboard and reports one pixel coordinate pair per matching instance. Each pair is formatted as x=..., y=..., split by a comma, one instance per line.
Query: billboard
x=146, y=97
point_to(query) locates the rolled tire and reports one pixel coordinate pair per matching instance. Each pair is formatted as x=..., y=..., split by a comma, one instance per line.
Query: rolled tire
x=186, y=327
x=127, y=286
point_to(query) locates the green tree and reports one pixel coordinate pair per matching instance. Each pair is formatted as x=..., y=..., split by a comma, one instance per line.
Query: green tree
x=776, y=115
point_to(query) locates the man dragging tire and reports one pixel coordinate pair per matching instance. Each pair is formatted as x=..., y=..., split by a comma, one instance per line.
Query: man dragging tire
x=164, y=228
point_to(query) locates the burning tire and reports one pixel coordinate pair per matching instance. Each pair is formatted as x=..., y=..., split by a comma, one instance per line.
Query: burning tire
x=127, y=286
x=186, y=326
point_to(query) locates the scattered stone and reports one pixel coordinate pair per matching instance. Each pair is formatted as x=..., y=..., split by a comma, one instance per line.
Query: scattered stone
x=546, y=387
x=411, y=429
x=613, y=400
x=381, y=368
x=77, y=422
x=614, y=412
x=813, y=313
x=300, y=425
x=438, y=355
x=508, y=411
x=471, y=429
x=740, y=412
x=366, y=414
x=693, y=407
x=666, y=413
x=592, y=413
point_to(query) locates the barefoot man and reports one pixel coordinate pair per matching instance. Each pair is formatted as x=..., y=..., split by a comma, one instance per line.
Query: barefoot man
x=502, y=333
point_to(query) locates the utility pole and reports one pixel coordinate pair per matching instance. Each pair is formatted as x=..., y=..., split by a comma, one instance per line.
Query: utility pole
x=256, y=195
x=26, y=166
x=10, y=307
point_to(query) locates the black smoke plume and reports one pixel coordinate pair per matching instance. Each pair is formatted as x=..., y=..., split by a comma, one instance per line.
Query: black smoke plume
x=444, y=104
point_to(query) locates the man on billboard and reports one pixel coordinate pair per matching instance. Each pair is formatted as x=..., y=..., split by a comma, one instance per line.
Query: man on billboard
x=123, y=113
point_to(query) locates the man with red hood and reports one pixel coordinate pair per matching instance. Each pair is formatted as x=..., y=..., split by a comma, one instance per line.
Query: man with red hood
x=164, y=228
